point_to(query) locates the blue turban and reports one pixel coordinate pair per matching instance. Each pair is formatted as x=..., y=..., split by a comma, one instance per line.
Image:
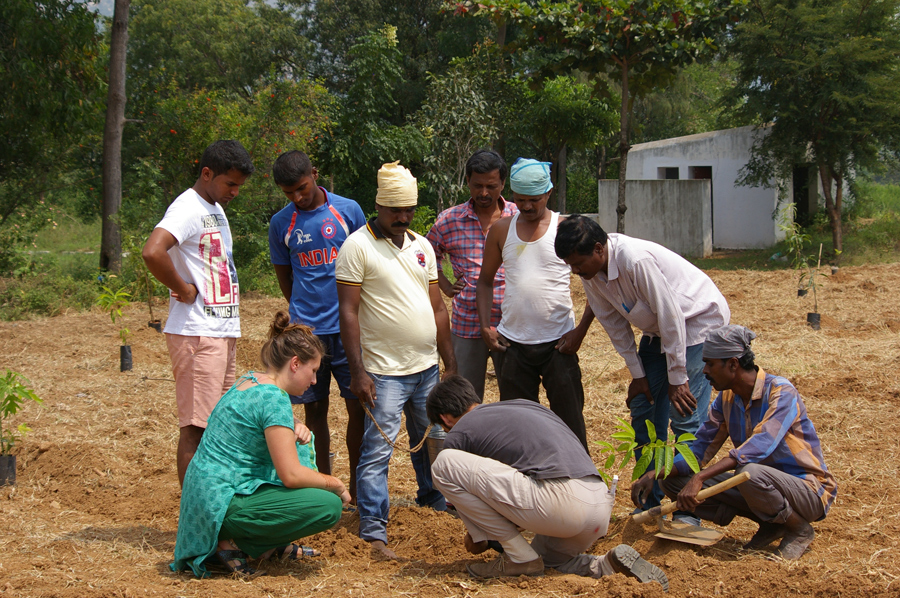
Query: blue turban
x=530, y=177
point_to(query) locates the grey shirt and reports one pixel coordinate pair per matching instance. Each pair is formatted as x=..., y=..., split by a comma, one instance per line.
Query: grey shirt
x=524, y=435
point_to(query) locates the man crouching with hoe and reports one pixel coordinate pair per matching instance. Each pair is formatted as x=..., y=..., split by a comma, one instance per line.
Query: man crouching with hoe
x=515, y=464
x=774, y=441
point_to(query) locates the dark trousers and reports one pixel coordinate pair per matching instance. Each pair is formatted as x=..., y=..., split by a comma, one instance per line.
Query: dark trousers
x=769, y=495
x=526, y=367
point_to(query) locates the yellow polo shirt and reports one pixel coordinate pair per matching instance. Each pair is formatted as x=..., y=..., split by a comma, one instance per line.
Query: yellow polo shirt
x=396, y=321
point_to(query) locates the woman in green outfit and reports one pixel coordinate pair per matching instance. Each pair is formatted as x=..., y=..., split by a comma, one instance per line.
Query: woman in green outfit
x=251, y=489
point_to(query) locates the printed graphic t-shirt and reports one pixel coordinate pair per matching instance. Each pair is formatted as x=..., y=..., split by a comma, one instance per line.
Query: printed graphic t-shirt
x=203, y=256
x=309, y=241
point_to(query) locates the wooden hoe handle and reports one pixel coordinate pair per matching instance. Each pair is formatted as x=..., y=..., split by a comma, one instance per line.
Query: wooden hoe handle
x=651, y=514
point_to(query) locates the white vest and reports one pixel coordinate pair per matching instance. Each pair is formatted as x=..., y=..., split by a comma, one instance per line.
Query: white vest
x=537, y=306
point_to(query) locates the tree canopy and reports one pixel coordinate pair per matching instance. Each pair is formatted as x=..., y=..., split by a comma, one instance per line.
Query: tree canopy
x=824, y=74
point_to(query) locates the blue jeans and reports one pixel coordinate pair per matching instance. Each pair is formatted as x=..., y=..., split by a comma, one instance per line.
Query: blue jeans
x=395, y=395
x=657, y=371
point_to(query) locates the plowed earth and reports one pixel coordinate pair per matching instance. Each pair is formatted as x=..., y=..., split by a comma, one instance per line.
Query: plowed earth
x=95, y=509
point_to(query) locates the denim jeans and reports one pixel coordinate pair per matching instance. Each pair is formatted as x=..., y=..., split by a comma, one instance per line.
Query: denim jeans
x=395, y=395
x=657, y=371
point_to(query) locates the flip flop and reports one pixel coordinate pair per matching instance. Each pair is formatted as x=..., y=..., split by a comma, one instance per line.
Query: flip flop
x=293, y=552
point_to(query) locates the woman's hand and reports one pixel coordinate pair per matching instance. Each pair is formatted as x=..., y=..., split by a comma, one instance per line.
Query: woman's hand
x=336, y=486
x=301, y=432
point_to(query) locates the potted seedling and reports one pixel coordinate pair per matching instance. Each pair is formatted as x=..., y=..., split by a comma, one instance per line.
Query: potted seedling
x=154, y=323
x=114, y=302
x=13, y=394
x=796, y=241
x=811, y=279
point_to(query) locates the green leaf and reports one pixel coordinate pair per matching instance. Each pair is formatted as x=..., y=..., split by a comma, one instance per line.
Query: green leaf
x=670, y=459
x=610, y=461
x=651, y=430
x=686, y=437
x=688, y=456
x=660, y=459
x=642, y=464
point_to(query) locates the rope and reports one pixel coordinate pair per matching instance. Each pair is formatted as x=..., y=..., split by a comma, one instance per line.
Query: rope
x=393, y=443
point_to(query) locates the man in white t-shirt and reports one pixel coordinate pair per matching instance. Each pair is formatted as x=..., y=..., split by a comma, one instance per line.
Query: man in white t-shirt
x=190, y=251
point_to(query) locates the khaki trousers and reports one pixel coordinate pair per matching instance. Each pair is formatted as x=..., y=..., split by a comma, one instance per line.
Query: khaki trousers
x=493, y=500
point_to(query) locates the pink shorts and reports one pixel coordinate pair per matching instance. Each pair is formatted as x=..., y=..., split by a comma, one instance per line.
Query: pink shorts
x=204, y=370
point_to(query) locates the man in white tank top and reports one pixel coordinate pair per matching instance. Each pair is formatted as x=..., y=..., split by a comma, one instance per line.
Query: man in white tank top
x=535, y=330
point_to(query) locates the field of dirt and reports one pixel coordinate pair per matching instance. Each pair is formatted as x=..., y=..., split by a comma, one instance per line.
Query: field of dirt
x=95, y=510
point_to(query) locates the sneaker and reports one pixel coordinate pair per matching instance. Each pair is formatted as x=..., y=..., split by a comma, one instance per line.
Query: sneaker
x=765, y=535
x=626, y=560
x=503, y=567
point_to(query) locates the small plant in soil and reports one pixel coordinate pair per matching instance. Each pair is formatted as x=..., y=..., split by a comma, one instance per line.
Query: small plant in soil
x=114, y=302
x=14, y=392
x=659, y=452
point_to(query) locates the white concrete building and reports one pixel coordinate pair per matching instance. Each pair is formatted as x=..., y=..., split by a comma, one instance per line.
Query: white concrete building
x=741, y=217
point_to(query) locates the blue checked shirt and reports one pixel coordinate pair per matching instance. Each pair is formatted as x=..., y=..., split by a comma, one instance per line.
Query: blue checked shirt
x=774, y=431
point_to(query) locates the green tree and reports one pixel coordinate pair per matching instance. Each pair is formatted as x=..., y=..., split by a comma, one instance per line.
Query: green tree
x=694, y=102
x=640, y=43
x=457, y=120
x=363, y=134
x=825, y=75
x=428, y=39
x=212, y=44
x=50, y=59
x=561, y=113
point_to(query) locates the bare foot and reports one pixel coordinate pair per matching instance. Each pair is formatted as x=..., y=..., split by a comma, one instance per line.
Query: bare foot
x=381, y=549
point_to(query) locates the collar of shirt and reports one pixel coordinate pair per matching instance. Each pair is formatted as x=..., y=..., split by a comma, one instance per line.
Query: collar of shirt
x=469, y=210
x=758, y=388
x=375, y=231
x=612, y=268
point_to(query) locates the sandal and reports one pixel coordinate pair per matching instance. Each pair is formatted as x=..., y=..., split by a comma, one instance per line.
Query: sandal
x=235, y=561
x=293, y=552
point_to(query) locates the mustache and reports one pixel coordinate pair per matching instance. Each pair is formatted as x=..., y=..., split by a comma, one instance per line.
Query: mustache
x=400, y=225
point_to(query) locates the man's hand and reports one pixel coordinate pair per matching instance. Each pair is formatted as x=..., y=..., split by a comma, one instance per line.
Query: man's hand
x=641, y=489
x=364, y=388
x=570, y=342
x=494, y=340
x=638, y=386
x=451, y=290
x=681, y=398
x=474, y=547
x=187, y=297
x=687, y=498
x=301, y=433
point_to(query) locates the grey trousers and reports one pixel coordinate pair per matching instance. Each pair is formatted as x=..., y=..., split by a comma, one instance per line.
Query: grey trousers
x=493, y=500
x=471, y=360
x=770, y=495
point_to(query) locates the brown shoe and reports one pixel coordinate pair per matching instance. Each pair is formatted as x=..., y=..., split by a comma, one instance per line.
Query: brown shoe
x=626, y=560
x=503, y=567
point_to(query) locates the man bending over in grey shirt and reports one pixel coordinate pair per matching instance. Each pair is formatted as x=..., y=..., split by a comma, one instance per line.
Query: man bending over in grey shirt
x=515, y=464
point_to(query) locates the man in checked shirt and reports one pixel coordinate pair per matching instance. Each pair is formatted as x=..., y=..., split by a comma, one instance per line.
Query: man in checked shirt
x=459, y=234
x=774, y=441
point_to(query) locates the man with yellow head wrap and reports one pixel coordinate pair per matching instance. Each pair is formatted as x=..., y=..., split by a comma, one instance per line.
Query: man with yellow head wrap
x=394, y=325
